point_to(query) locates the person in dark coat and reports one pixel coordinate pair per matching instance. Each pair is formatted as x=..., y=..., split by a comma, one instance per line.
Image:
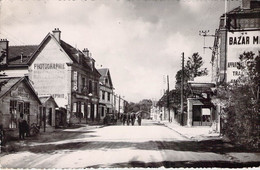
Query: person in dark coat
x=133, y=118
x=124, y=118
x=23, y=128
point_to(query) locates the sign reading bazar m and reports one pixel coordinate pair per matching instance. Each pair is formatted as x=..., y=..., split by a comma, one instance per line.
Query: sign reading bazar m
x=238, y=43
x=243, y=40
x=45, y=66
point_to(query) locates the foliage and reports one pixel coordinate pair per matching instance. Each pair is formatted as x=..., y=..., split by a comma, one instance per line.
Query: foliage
x=240, y=103
x=144, y=104
x=2, y=67
x=193, y=65
x=192, y=69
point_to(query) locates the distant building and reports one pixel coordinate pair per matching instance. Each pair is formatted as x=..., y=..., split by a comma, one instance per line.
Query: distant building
x=106, y=105
x=48, y=117
x=18, y=100
x=56, y=68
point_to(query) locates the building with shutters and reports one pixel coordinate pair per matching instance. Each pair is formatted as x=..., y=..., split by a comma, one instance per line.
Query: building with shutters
x=57, y=69
x=106, y=105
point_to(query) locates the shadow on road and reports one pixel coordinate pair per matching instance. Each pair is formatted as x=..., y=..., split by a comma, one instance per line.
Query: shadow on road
x=182, y=164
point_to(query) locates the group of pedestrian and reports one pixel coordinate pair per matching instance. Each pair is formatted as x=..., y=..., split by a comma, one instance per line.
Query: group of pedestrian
x=128, y=118
x=23, y=128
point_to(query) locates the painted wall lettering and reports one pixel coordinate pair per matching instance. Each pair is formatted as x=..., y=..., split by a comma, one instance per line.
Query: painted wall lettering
x=238, y=43
x=45, y=66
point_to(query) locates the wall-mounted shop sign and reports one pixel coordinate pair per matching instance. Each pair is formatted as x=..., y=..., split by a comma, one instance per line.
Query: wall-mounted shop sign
x=238, y=43
x=45, y=66
x=75, y=80
x=20, y=92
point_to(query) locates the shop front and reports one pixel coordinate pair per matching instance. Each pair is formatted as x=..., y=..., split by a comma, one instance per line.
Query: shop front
x=200, y=109
x=18, y=100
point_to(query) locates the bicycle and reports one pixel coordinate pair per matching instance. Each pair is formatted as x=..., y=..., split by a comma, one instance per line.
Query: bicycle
x=34, y=129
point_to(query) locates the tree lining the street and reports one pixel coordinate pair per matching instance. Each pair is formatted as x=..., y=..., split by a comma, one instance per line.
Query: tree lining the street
x=2, y=67
x=143, y=105
x=192, y=68
x=240, y=103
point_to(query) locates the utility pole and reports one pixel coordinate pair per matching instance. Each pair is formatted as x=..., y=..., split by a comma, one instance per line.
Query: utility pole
x=168, y=98
x=119, y=107
x=182, y=89
x=205, y=34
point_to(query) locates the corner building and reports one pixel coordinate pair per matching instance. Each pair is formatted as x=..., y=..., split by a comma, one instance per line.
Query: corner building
x=239, y=32
x=67, y=74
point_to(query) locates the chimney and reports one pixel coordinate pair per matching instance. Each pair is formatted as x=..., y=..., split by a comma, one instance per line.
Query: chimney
x=90, y=60
x=86, y=52
x=4, y=51
x=246, y=4
x=56, y=32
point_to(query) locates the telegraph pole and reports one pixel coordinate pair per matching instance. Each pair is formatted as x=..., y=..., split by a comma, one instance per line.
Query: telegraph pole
x=182, y=89
x=168, y=98
x=119, y=107
x=205, y=34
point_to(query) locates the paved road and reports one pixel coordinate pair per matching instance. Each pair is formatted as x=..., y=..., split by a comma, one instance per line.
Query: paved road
x=149, y=145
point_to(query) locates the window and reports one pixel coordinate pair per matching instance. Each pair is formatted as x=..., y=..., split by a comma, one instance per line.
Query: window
x=108, y=96
x=103, y=95
x=96, y=88
x=83, y=81
x=26, y=111
x=13, y=113
x=90, y=86
x=50, y=116
x=74, y=107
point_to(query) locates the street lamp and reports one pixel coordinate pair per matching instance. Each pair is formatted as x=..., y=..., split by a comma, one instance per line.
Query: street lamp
x=90, y=96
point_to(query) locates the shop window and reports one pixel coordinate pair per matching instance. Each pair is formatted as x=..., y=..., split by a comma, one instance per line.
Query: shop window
x=13, y=112
x=74, y=107
x=102, y=111
x=82, y=109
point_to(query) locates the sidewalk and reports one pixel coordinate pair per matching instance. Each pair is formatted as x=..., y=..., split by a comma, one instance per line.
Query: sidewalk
x=197, y=133
x=45, y=137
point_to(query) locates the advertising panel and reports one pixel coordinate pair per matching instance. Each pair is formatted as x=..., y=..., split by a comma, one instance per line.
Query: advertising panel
x=50, y=79
x=237, y=44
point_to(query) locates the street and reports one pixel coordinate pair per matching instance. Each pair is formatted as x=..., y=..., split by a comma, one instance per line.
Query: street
x=149, y=145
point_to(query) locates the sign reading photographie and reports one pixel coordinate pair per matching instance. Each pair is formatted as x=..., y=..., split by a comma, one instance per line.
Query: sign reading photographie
x=237, y=44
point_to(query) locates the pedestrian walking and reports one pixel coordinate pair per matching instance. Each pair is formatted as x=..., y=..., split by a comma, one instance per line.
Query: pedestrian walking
x=124, y=118
x=139, y=119
x=133, y=118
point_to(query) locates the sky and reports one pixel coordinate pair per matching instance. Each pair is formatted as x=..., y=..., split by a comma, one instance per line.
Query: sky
x=140, y=41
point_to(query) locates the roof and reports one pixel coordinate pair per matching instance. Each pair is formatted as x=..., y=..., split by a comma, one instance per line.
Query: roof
x=201, y=87
x=15, y=52
x=104, y=72
x=44, y=99
x=11, y=82
x=239, y=10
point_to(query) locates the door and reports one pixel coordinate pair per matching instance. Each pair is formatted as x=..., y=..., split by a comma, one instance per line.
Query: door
x=20, y=110
x=50, y=116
